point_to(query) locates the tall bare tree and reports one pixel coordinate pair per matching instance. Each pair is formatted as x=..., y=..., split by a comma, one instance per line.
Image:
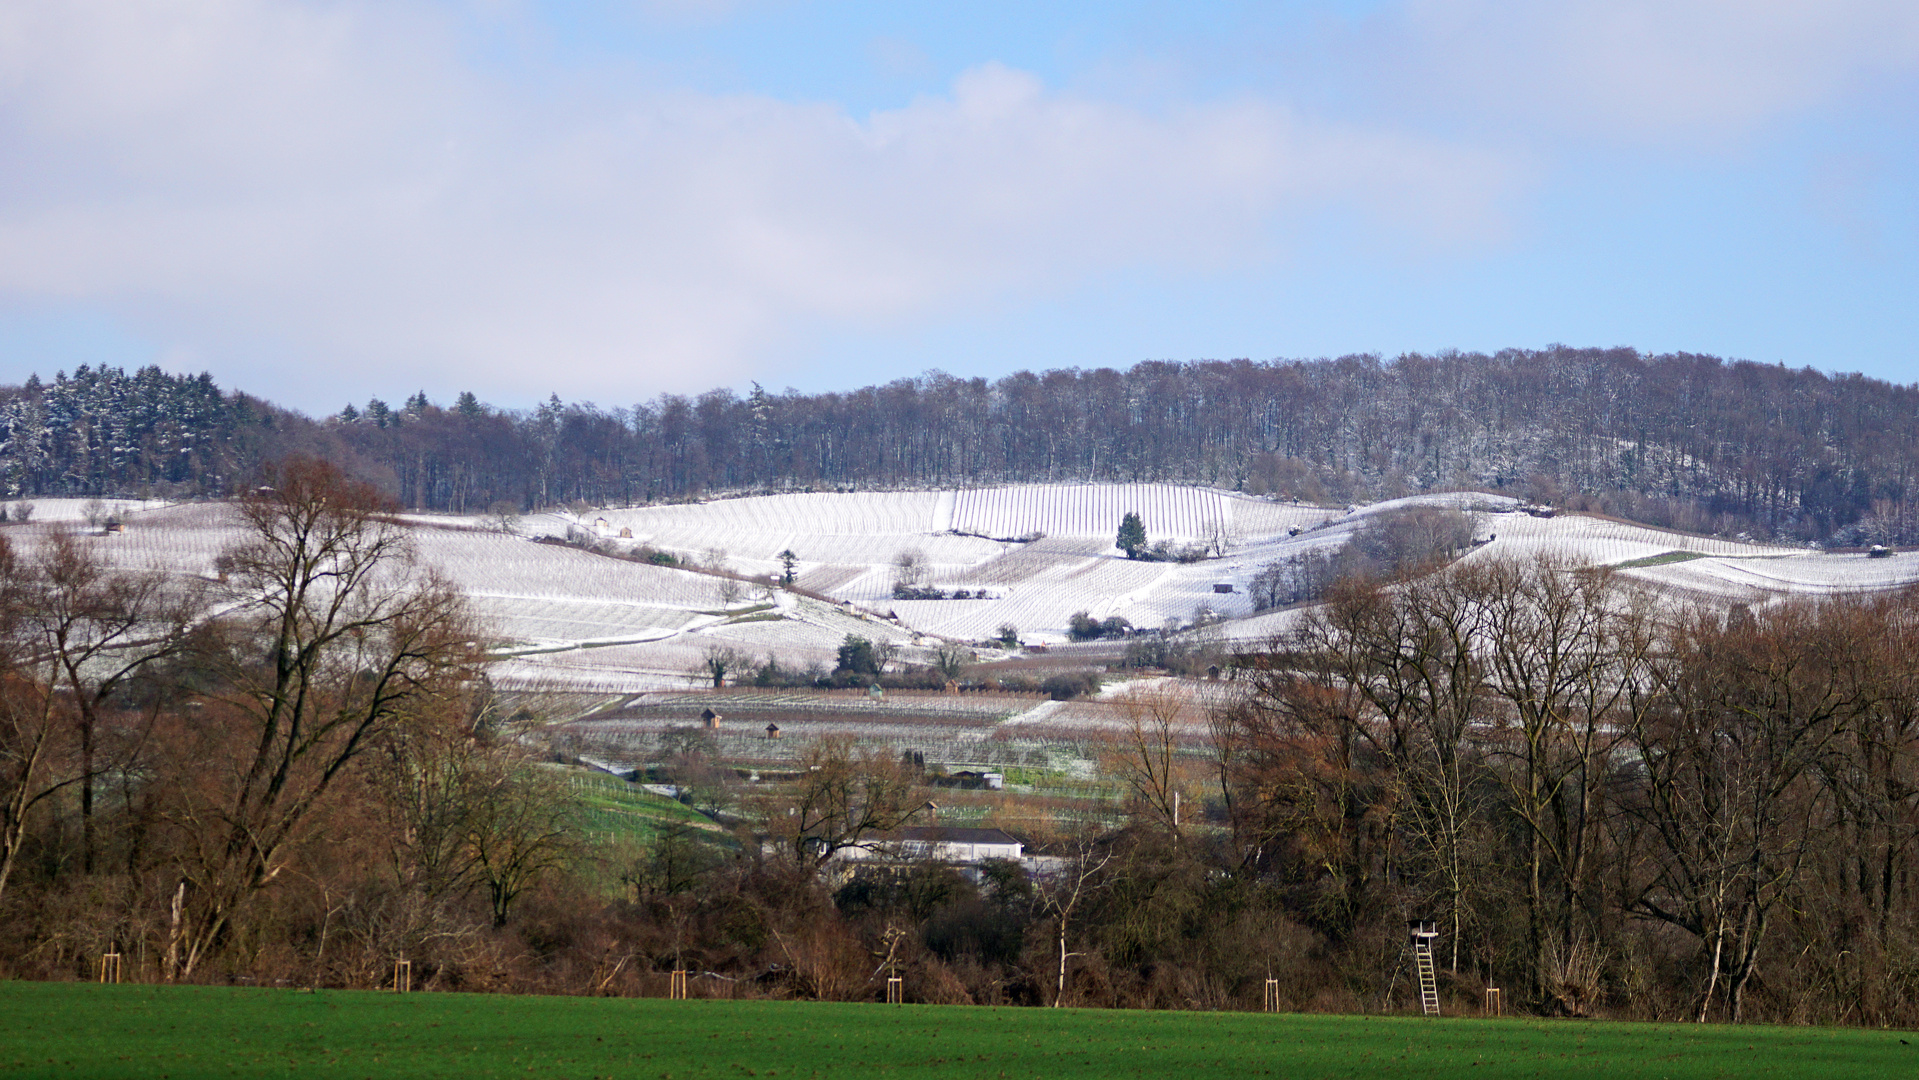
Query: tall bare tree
x=335, y=639
x=1729, y=760
x=1565, y=645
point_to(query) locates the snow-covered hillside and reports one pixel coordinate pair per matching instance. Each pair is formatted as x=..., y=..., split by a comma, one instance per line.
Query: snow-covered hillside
x=567, y=618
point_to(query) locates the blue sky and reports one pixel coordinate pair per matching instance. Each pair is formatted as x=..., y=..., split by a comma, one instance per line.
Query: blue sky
x=328, y=201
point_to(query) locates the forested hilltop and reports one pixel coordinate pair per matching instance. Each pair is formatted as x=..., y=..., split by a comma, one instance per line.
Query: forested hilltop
x=1679, y=439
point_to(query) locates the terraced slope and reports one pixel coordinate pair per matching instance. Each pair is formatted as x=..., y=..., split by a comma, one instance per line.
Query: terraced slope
x=572, y=620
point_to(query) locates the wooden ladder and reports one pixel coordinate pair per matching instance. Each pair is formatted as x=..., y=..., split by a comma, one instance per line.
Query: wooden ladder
x=1428, y=979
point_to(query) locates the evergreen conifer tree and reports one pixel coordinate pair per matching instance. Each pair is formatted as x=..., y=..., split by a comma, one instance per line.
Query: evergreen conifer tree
x=1132, y=535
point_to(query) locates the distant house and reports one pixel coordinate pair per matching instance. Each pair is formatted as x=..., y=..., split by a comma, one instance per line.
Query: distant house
x=969, y=780
x=990, y=781
x=938, y=843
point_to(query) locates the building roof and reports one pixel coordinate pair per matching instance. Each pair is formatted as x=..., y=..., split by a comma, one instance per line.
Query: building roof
x=941, y=834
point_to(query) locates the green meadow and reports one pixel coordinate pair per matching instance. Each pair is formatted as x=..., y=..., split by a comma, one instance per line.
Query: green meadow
x=610, y=808
x=86, y=1030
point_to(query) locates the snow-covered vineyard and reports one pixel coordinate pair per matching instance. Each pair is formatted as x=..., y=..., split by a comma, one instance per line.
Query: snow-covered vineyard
x=573, y=621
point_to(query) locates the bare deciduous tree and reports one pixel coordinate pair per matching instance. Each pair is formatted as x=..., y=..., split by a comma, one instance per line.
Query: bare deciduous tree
x=846, y=793
x=1564, y=644
x=73, y=633
x=1062, y=890
x=716, y=661
x=334, y=640
x=951, y=661
x=1147, y=753
x=1729, y=758
x=518, y=826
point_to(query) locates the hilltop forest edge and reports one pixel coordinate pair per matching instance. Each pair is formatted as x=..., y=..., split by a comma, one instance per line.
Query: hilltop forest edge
x=1677, y=440
x=296, y=773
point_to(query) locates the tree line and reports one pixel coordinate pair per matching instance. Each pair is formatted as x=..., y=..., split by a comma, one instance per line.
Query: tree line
x=1678, y=439
x=208, y=778
x=1605, y=805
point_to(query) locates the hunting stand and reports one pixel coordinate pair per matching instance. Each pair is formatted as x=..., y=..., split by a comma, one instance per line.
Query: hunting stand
x=1423, y=932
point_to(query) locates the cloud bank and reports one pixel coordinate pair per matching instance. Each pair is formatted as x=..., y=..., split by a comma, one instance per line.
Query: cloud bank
x=337, y=194
x=332, y=186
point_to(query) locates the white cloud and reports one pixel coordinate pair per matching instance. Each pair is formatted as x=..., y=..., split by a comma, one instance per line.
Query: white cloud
x=1661, y=69
x=332, y=183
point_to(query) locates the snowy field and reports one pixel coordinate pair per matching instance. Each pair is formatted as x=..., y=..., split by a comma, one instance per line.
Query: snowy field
x=569, y=620
x=73, y=510
x=1040, y=553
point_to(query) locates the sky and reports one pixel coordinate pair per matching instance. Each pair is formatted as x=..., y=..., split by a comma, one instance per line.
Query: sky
x=324, y=202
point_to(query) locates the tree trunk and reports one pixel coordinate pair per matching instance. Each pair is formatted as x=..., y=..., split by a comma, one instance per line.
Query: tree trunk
x=1712, y=979
x=1060, y=996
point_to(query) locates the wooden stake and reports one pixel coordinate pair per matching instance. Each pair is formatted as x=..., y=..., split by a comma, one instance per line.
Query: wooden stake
x=402, y=976
x=1272, y=994
x=895, y=990
x=676, y=989
x=110, y=967
x=1495, y=1003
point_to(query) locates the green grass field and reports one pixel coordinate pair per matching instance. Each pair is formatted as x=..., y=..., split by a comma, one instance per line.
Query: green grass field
x=612, y=808
x=84, y=1030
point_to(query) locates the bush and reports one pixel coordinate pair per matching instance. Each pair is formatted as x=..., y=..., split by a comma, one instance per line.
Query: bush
x=1070, y=684
x=904, y=591
x=1186, y=656
x=1167, y=551
x=770, y=673
x=1083, y=627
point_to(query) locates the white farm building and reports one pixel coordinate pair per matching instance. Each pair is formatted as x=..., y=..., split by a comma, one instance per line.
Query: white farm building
x=935, y=843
